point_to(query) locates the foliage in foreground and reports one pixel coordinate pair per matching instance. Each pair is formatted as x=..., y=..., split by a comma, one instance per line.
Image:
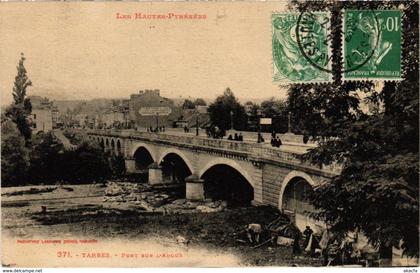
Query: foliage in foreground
x=378, y=189
x=46, y=161
x=14, y=154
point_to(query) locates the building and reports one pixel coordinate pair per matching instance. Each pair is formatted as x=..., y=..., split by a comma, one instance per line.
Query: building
x=115, y=116
x=55, y=114
x=80, y=119
x=112, y=118
x=192, y=117
x=42, y=115
x=149, y=109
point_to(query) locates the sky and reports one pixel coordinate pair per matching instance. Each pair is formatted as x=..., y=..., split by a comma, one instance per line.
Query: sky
x=80, y=50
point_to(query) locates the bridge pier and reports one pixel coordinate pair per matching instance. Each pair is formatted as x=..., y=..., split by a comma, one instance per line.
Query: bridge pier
x=155, y=174
x=130, y=165
x=194, y=188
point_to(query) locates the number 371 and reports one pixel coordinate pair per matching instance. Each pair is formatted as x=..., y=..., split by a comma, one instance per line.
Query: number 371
x=63, y=254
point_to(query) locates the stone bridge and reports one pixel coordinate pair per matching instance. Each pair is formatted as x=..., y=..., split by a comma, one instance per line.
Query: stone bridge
x=269, y=175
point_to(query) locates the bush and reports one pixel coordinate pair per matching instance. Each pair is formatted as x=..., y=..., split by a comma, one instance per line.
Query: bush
x=87, y=163
x=48, y=162
x=14, y=155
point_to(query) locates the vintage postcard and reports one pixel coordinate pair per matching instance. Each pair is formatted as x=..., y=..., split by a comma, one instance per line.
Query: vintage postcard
x=209, y=134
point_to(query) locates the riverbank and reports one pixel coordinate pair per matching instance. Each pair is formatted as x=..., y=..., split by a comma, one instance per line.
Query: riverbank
x=82, y=214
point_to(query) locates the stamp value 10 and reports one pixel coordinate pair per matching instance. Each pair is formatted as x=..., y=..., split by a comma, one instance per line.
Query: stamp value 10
x=370, y=44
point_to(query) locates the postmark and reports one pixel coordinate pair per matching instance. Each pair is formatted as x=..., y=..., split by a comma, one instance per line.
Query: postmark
x=315, y=47
x=300, y=47
x=372, y=45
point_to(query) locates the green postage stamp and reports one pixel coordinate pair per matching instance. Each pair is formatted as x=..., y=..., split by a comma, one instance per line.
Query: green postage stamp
x=301, y=51
x=372, y=44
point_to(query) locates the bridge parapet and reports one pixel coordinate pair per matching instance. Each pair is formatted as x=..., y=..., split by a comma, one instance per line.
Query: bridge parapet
x=257, y=151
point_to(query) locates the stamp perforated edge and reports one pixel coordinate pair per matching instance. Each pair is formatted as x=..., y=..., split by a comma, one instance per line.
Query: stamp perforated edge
x=286, y=82
x=368, y=79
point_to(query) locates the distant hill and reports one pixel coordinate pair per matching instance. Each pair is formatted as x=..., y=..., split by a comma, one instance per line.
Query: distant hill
x=63, y=105
x=86, y=106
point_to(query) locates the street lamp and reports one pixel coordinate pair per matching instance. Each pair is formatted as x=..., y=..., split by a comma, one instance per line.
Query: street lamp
x=157, y=121
x=289, y=125
x=231, y=119
x=196, y=124
x=157, y=117
x=259, y=126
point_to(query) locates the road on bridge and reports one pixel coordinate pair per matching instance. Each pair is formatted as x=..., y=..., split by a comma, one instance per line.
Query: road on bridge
x=290, y=147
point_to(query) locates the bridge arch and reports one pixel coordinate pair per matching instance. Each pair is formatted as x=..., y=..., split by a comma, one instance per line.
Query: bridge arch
x=118, y=148
x=228, y=162
x=102, y=143
x=226, y=180
x=294, y=192
x=147, y=147
x=178, y=153
x=112, y=146
x=289, y=177
x=106, y=143
x=143, y=156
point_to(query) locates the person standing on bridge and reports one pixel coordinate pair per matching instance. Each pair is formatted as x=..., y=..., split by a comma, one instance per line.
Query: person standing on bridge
x=278, y=142
x=260, y=138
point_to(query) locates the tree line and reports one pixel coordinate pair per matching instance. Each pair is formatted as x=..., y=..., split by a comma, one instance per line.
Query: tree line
x=226, y=110
x=40, y=158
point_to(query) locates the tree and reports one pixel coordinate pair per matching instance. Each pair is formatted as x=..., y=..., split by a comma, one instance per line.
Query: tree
x=51, y=162
x=14, y=154
x=278, y=112
x=220, y=112
x=253, y=114
x=88, y=162
x=200, y=102
x=21, y=107
x=47, y=164
x=377, y=190
x=188, y=104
